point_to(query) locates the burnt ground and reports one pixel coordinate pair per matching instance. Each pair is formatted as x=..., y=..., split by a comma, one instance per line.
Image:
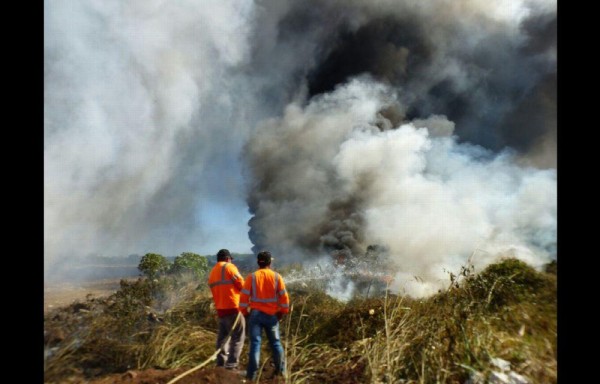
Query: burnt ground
x=214, y=375
x=206, y=375
x=217, y=375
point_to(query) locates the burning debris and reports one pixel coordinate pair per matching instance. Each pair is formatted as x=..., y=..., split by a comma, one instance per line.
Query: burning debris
x=370, y=272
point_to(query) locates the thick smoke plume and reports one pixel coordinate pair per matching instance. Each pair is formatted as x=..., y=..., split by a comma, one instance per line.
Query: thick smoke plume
x=418, y=130
x=425, y=127
x=330, y=178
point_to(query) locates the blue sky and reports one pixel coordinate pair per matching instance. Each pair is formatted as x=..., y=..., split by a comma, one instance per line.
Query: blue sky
x=225, y=226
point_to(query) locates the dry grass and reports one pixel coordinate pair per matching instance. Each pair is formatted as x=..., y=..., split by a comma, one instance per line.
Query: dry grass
x=174, y=346
x=311, y=362
x=507, y=311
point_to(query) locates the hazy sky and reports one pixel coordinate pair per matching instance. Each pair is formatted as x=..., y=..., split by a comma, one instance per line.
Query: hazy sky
x=427, y=127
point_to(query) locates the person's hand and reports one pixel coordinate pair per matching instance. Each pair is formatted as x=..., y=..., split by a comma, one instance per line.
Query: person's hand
x=279, y=316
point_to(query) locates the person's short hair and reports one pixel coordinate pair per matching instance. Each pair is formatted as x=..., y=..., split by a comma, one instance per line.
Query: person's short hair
x=223, y=254
x=264, y=258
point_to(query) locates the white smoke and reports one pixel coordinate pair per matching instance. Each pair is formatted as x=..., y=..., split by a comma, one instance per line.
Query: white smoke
x=137, y=97
x=433, y=202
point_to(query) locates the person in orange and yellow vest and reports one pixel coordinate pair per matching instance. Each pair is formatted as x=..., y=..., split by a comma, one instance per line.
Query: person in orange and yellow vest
x=265, y=295
x=225, y=283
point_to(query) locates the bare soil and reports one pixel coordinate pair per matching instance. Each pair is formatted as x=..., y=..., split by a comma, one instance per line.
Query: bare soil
x=207, y=375
x=62, y=294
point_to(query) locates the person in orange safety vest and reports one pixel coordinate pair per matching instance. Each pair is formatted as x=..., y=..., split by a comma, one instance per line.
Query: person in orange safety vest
x=265, y=294
x=225, y=283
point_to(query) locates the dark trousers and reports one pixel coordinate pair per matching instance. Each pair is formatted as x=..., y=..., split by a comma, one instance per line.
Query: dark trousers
x=232, y=349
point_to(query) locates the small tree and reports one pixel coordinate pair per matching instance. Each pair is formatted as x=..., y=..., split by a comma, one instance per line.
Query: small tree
x=190, y=262
x=153, y=264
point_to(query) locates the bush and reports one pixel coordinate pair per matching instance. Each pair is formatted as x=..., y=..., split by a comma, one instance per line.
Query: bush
x=506, y=282
x=551, y=267
x=153, y=265
x=189, y=262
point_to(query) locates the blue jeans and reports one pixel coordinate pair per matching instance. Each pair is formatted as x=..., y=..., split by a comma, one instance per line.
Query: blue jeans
x=256, y=323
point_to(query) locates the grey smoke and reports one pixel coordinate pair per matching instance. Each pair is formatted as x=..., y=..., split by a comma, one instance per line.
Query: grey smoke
x=346, y=166
x=156, y=110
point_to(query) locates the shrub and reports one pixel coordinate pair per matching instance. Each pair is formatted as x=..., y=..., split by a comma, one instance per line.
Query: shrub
x=506, y=282
x=153, y=265
x=189, y=262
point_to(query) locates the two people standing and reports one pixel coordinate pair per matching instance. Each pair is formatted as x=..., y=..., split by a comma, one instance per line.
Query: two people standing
x=262, y=299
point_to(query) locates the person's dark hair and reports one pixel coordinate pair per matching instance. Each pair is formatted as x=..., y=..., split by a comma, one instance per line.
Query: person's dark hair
x=264, y=258
x=223, y=254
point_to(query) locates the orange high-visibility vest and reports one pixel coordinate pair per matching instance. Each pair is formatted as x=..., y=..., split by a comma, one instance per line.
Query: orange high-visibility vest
x=225, y=283
x=264, y=290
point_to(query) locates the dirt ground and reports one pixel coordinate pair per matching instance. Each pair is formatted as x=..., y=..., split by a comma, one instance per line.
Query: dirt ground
x=206, y=375
x=63, y=294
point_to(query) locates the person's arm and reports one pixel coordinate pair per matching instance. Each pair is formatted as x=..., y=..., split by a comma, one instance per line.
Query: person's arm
x=283, y=299
x=208, y=281
x=238, y=280
x=245, y=295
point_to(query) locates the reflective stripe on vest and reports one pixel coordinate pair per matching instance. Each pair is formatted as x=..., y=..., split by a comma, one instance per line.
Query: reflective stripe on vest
x=223, y=281
x=269, y=299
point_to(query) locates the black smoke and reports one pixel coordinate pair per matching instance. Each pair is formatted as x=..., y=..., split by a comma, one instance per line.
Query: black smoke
x=507, y=78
